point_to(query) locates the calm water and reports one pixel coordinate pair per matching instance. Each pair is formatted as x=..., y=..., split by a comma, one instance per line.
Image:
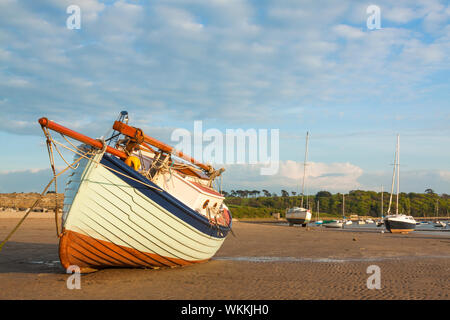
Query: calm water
x=327, y=260
x=372, y=227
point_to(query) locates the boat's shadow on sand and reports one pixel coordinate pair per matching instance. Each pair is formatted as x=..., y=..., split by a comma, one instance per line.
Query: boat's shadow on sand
x=27, y=257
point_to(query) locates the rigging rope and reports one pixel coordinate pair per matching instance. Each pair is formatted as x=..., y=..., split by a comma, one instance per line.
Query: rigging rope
x=109, y=168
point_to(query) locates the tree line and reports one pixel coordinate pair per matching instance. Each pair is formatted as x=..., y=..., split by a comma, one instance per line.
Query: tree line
x=257, y=203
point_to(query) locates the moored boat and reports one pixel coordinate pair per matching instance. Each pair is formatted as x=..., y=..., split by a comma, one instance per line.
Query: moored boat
x=318, y=221
x=398, y=223
x=334, y=224
x=300, y=215
x=440, y=224
x=139, y=203
x=339, y=223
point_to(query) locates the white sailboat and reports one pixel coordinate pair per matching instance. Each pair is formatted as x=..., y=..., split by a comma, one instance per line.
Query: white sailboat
x=438, y=223
x=300, y=215
x=398, y=223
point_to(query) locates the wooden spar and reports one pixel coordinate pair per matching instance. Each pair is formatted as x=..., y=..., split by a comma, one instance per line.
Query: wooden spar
x=138, y=134
x=80, y=137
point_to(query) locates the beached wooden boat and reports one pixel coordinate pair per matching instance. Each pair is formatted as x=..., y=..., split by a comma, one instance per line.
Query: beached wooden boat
x=136, y=204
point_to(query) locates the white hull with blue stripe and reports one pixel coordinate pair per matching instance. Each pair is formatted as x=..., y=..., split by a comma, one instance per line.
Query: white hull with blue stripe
x=111, y=220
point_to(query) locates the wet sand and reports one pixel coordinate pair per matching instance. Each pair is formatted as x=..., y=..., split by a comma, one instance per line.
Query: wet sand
x=263, y=261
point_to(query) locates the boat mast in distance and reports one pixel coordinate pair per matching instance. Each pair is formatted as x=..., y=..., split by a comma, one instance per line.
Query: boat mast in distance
x=398, y=222
x=304, y=170
x=398, y=171
x=301, y=215
x=393, y=182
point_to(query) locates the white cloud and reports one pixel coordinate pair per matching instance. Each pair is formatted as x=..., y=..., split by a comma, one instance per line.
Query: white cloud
x=17, y=82
x=178, y=18
x=333, y=176
x=445, y=175
x=400, y=14
x=410, y=180
x=348, y=31
x=319, y=176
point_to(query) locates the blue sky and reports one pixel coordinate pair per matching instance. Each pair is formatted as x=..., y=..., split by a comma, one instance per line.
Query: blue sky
x=288, y=65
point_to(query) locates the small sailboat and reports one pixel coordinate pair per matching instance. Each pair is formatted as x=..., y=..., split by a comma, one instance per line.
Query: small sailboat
x=345, y=221
x=133, y=201
x=318, y=221
x=334, y=224
x=300, y=215
x=438, y=223
x=339, y=223
x=398, y=223
x=369, y=221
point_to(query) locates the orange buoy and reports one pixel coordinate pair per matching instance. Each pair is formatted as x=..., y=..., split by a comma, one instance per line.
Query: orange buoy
x=133, y=162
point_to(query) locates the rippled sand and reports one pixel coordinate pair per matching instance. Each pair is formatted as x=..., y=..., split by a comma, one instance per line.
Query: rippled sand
x=263, y=261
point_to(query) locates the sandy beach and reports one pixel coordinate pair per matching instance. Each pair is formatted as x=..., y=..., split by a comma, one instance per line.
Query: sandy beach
x=263, y=261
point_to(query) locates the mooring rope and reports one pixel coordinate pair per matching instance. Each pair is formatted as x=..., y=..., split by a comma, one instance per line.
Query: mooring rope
x=34, y=205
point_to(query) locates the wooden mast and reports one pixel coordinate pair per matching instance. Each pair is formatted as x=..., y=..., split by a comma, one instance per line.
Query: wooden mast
x=138, y=134
x=132, y=132
x=80, y=137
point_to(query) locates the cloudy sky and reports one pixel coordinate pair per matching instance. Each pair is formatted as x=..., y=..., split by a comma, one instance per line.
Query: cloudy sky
x=295, y=66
